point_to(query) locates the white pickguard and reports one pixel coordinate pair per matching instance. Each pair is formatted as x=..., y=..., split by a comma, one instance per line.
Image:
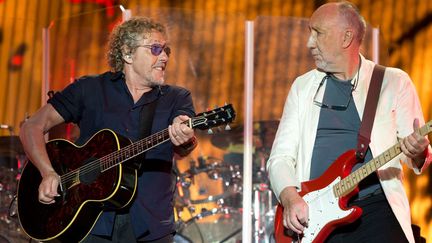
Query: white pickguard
x=323, y=208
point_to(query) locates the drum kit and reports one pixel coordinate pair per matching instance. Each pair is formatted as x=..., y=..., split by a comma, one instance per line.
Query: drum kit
x=12, y=159
x=208, y=202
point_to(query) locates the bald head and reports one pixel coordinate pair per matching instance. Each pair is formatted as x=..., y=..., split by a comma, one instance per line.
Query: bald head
x=343, y=15
x=328, y=12
x=336, y=32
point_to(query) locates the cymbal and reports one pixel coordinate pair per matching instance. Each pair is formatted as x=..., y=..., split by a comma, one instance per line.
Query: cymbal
x=263, y=136
x=210, y=168
x=10, y=145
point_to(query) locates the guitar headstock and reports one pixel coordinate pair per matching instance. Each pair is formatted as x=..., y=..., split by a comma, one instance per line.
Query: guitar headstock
x=213, y=118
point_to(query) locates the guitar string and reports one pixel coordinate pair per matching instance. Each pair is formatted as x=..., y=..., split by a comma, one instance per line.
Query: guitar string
x=93, y=164
x=391, y=152
x=362, y=172
x=100, y=162
x=119, y=154
x=107, y=159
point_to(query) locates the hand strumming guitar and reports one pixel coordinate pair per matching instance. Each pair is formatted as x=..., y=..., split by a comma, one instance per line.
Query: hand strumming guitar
x=48, y=187
x=296, y=211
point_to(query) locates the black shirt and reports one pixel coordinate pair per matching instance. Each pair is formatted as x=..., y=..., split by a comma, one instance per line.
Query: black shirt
x=104, y=101
x=337, y=133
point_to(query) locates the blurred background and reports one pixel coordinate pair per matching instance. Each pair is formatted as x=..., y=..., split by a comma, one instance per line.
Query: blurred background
x=46, y=44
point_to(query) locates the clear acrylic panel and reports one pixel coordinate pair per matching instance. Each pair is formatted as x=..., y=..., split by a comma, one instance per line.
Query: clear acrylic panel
x=73, y=47
x=207, y=58
x=77, y=45
x=280, y=56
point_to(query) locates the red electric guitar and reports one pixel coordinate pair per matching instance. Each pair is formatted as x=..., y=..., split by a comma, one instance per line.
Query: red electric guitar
x=93, y=178
x=328, y=195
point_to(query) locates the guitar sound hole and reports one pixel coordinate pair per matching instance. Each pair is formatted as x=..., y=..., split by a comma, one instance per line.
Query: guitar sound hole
x=88, y=175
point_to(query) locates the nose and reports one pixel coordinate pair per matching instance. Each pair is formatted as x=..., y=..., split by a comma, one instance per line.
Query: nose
x=163, y=56
x=311, y=42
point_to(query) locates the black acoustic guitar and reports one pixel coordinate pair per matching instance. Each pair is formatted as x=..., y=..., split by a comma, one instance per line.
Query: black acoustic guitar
x=100, y=175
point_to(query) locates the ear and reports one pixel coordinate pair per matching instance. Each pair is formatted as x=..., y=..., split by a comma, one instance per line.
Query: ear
x=348, y=38
x=127, y=58
x=126, y=54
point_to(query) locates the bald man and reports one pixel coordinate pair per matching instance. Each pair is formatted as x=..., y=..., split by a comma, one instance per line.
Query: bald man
x=321, y=120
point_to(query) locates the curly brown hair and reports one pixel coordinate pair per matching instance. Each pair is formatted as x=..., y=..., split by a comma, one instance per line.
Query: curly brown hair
x=126, y=37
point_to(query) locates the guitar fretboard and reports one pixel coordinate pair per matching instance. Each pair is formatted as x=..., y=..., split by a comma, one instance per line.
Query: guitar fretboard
x=133, y=150
x=347, y=184
x=115, y=158
x=204, y=120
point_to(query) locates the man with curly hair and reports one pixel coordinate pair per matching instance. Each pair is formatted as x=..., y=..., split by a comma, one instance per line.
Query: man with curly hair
x=118, y=100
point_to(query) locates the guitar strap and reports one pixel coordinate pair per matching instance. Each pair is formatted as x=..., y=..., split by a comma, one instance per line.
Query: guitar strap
x=363, y=138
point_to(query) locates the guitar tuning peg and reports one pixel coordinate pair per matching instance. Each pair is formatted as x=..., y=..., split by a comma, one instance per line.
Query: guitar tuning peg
x=227, y=127
x=209, y=131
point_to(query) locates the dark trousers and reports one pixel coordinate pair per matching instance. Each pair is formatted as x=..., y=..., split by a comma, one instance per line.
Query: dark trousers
x=376, y=224
x=123, y=233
